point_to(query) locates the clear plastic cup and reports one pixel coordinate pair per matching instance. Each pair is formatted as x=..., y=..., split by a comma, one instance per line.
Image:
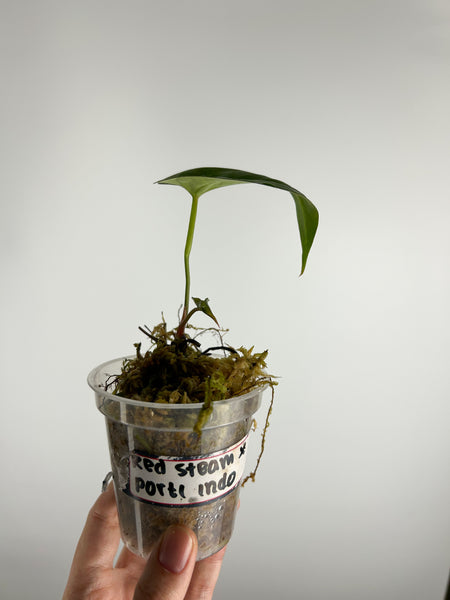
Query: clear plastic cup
x=164, y=473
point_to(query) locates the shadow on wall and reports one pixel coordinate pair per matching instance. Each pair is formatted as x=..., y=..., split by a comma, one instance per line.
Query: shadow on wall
x=447, y=593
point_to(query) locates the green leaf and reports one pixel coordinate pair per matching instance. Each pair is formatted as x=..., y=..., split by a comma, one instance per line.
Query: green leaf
x=202, y=180
x=205, y=308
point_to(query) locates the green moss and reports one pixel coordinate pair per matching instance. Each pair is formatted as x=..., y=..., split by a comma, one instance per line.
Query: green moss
x=177, y=370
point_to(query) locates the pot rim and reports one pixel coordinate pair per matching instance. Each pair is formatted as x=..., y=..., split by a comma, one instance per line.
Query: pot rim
x=94, y=384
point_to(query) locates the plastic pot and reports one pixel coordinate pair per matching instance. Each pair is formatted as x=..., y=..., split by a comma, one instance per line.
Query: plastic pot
x=164, y=473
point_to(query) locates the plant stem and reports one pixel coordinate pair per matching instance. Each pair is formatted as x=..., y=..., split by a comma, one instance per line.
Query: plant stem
x=187, y=252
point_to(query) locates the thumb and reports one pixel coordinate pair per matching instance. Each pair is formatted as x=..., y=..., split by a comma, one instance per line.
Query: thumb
x=168, y=571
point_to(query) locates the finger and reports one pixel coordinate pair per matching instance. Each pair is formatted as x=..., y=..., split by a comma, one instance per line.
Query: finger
x=100, y=538
x=170, y=566
x=130, y=562
x=206, y=574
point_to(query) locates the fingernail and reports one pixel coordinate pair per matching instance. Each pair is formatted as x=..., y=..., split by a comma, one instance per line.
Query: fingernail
x=175, y=549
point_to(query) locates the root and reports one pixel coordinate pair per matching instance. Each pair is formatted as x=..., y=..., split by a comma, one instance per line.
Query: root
x=252, y=475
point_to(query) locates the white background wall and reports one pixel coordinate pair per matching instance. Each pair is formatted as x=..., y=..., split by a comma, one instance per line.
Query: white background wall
x=345, y=100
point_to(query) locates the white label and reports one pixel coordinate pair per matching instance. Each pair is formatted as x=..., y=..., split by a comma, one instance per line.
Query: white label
x=175, y=481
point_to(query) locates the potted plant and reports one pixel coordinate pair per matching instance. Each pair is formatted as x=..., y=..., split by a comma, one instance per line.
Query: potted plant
x=178, y=415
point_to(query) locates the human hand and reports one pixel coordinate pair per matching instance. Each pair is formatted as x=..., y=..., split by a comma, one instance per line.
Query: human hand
x=171, y=571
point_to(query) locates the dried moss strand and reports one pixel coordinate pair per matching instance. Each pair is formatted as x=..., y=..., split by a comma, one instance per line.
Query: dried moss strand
x=213, y=348
x=149, y=334
x=252, y=475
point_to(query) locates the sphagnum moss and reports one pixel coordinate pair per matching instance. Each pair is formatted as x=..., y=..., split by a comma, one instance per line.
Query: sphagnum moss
x=177, y=370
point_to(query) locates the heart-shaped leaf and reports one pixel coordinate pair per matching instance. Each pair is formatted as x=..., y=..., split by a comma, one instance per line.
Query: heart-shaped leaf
x=202, y=180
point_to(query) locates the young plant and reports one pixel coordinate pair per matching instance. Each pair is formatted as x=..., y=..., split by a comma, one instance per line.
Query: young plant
x=199, y=181
x=142, y=426
x=176, y=369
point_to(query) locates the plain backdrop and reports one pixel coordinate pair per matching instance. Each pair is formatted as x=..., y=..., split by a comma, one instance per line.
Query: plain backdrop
x=347, y=101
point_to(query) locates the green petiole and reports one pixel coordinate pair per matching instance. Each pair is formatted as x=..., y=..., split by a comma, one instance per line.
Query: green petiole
x=187, y=271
